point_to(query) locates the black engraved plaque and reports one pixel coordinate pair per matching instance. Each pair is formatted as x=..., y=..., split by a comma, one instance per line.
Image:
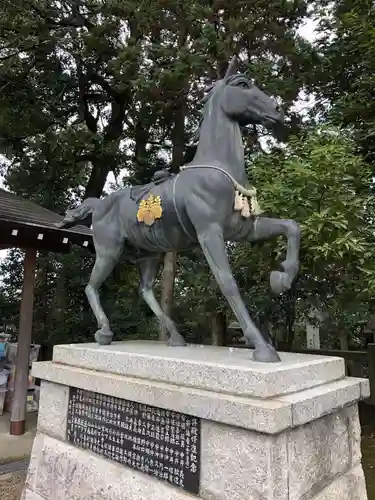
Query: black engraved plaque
x=162, y=443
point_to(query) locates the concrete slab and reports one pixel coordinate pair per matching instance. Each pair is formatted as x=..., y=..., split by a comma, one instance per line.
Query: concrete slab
x=270, y=416
x=13, y=448
x=219, y=369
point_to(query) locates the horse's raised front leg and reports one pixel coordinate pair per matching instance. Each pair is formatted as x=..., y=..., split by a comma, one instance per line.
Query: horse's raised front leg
x=264, y=229
x=106, y=259
x=148, y=271
x=213, y=245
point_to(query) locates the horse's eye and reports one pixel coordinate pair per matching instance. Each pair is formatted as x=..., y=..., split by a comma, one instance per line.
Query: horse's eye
x=278, y=108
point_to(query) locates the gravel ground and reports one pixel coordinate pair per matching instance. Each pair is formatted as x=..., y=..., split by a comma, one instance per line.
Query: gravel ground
x=11, y=485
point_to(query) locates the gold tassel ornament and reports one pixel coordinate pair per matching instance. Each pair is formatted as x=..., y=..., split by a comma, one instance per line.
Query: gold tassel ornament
x=247, y=205
x=245, y=212
x=238, y=201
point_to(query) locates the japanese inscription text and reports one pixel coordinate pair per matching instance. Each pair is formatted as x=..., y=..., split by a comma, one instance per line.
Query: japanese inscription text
x=162, y=443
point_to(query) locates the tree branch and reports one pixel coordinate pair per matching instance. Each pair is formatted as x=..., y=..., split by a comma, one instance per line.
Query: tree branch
x=75, y=20
x=100, y=80
x=114, y=128
x=9, y=56
x=84, y=110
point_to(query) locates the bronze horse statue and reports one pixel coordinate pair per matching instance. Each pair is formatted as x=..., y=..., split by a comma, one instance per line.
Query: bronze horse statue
x=206, y=203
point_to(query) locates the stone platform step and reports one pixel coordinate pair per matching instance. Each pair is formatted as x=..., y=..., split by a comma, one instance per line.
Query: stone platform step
x=220, y=369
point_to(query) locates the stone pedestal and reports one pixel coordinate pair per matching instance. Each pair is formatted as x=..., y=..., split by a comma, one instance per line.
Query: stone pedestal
x=285, y=431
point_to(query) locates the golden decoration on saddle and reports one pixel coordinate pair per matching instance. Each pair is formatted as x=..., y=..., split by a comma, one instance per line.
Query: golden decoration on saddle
x=150, y=210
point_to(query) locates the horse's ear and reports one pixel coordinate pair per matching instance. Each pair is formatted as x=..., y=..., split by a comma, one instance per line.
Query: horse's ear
x=232, y=68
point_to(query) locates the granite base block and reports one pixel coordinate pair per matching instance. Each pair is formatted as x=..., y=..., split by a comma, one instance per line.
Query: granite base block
x=217, y=369
x=302, y=445
x=60, y=471
x=350, y=486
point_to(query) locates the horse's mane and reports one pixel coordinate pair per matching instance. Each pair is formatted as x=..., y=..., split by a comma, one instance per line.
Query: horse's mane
x=239, y=80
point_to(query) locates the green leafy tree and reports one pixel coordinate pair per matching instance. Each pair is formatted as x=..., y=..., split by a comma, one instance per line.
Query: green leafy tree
x=322, y=182
x=345, y=74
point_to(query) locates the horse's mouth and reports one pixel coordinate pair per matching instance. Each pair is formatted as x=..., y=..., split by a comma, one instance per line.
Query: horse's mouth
x=272, y=121
x=274, y=125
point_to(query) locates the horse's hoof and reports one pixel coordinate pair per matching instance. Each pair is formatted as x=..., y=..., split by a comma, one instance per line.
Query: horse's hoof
x=279, y=281
x=176, y=342
x=104, y=337
x=266, y=354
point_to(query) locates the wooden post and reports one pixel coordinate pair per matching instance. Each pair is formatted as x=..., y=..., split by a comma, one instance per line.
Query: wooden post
x=371, y=371
x=18, y=416
x=218, y=328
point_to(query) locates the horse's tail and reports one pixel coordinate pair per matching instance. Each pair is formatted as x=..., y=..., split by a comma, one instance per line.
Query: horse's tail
x=80, y=215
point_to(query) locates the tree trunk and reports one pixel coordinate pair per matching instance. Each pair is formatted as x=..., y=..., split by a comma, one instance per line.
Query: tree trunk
x=58, y=304
x=218, y=328
x=141, y=160
x=97, y=180
x=167, y=286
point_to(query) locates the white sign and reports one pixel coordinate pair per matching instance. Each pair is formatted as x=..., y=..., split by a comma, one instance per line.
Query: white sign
x=312, y=337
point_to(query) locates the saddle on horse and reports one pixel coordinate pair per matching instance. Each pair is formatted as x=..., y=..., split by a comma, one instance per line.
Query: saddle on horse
x=139, y=192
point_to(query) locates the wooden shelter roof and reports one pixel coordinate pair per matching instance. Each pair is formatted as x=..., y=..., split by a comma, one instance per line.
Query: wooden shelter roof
x=26, y=224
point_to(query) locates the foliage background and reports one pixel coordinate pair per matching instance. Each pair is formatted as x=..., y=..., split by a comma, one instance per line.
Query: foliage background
x=90, y=89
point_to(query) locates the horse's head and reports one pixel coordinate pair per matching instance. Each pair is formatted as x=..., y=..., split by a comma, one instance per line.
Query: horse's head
x=245, y=103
